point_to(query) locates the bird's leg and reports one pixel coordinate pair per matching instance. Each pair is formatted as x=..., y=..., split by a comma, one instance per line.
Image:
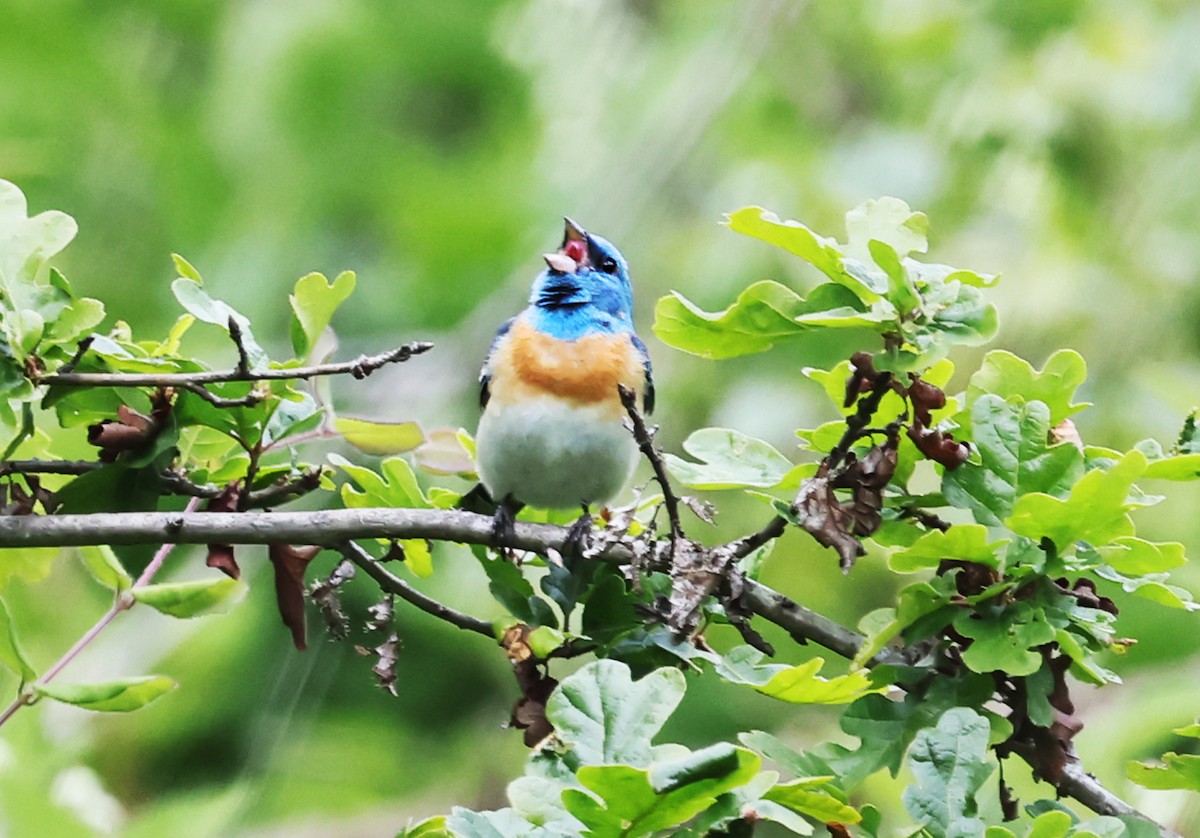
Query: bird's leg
x=578, y=535
x=504, y=525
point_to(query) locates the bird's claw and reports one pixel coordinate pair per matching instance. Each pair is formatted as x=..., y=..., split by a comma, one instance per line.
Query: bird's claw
x=504, y=529
x=578, y=536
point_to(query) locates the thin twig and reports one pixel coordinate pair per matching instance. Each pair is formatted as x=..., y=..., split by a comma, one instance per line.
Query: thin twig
x=392, y=584
x=175, y=482
x=360, y=367
x=122, y=602
x=645, y=442
x=235, y=334
x=249, y=400
x=856, y=426
x=73, y=467
x=80, y=351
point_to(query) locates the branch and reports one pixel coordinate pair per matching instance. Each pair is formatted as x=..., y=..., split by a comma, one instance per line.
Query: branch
x=334, y=528
x=123, y=602
x=361, y=367
x=645, y=441
x=173, y=481
x=392, y=584
x=857, y=425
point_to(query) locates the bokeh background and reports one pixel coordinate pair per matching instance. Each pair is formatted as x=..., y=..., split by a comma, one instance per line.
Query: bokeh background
x=433, y=148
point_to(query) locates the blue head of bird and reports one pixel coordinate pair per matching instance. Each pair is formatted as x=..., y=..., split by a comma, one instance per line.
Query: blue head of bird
x=585, y=288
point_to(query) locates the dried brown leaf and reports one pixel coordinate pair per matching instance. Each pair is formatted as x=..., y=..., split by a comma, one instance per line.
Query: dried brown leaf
x=290, y=563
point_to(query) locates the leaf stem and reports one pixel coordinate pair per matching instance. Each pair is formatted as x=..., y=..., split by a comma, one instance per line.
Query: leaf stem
x=122, y=602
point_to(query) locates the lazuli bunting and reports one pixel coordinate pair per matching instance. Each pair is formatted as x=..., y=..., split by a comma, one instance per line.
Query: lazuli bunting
x=552, y=434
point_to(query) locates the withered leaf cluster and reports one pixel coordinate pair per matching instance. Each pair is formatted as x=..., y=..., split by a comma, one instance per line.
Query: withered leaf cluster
x=529, y=713
x=132, y=431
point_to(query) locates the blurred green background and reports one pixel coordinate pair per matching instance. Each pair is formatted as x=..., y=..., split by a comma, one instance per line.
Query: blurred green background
x=433, y=148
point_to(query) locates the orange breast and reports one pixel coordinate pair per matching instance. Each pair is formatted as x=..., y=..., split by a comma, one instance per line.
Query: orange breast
x=586, y=370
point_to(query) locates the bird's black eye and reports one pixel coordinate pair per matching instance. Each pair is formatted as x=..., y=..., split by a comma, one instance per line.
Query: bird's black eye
x=608, y=265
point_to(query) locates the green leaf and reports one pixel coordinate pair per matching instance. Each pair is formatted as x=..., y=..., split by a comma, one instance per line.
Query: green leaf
x=192, y=599
x=794, y=684
x=1152, y=587
x=728, y=460
x=543, y=640
x=1178, y=771
x=902, y=291
x=513, y=591
x=949, y=765
x=104, y=565
x=714, y=762
x=29, y=563
x=1014, y=459
x=764, y=314
x=825, y=254
x=888, y=221
x=1005, y=640
x=850, y=265
x=192, y=296
x=769, y=810
x=1006, y=375
x=608, y=610
x=964, y=542
x=185, y=268
x=314, y=301
x=119, y=696
x=1096, y=510
x=822, y=807
x=607, y=717
x=292, y=416
x=638, y=802
x=1133, y=556
x=885, y=728
x=429, y=828
x=29, y=294
x=372, y=437
x=395, y=485
x=503, y=823
x=74, y=321
x=11, y=654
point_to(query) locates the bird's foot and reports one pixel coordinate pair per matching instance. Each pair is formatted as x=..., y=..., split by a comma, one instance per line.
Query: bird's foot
x=578, y=536
x=504, y=529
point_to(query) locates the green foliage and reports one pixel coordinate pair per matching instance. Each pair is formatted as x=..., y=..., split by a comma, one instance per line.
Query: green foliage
x=602, y=776
x=1017, y=530
x=313, y=303
x=728, y=460
x=1015, y=459
x=919, y=310
x=1178, y=771
x=191, y=599
x=794, y=684
x=119, y=696
x=949, y=763
x=11, y=653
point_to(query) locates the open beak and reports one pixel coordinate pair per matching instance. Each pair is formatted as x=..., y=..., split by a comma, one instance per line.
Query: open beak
x=574, y=245
x=561, y=262
x=573, y=233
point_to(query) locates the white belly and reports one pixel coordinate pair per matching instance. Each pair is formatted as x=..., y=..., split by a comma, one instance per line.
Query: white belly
x=554, y=454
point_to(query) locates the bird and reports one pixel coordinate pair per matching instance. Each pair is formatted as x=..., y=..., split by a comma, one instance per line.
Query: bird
x=551, y=432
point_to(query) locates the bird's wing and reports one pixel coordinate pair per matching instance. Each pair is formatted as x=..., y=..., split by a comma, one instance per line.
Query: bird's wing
x=485, y=373
x=648, y=392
